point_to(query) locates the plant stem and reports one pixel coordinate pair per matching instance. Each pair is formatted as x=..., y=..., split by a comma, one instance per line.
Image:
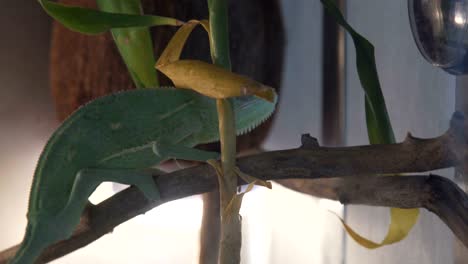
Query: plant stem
x=231, y=236
x=230, y=241
x=219, y=33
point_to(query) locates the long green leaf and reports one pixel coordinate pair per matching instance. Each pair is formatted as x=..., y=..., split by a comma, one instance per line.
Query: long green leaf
x=379, y=128
x=91, y=21
x=134, y=44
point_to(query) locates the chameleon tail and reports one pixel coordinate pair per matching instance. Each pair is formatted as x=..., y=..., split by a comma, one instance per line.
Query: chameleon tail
x=31, y=247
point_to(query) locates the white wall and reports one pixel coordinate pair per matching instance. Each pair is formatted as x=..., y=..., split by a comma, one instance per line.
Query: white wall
x=303, y=231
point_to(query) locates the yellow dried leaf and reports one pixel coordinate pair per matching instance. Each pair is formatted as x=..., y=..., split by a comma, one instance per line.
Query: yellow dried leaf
x=173, y=49
x=214, y=81
x=207, y=79
x=402, y=222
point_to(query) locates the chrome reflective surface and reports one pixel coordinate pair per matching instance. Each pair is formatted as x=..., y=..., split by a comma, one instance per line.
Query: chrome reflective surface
x=439, y=30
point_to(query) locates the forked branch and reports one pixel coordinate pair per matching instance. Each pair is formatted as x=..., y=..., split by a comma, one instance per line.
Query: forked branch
x=354, y=166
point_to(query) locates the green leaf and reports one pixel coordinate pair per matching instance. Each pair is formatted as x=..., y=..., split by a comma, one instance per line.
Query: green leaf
x=134, y=44
x=91, y=21
x=379, y=128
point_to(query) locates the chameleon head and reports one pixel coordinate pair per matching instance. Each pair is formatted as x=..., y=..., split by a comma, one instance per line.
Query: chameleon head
x=250, y=112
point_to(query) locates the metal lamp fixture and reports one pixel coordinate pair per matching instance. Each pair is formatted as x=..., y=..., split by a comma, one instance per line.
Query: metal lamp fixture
x=440, y=31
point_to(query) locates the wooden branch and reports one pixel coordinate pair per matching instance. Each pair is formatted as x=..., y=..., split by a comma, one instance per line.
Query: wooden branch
x=310, y=161
x=434, y=193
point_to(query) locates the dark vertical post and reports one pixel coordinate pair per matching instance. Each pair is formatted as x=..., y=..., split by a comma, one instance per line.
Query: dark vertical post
x=333, y=77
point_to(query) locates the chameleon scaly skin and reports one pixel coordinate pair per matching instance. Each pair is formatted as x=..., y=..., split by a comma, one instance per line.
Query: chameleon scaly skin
x=117, y=138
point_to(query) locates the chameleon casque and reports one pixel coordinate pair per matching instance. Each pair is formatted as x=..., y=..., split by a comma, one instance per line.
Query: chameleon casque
x=118, y=138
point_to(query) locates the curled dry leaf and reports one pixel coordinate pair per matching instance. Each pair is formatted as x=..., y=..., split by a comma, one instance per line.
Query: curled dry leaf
x=214, y=81
x=208, y=79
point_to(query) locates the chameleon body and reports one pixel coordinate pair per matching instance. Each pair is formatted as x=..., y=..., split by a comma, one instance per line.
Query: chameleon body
x=117, y=138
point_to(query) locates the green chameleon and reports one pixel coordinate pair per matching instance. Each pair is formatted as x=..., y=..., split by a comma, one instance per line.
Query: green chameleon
x=118, y=138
